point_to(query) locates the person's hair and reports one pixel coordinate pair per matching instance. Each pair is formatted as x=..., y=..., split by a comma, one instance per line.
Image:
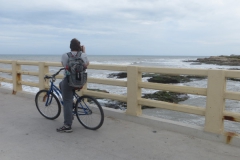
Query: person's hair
x=75, y=45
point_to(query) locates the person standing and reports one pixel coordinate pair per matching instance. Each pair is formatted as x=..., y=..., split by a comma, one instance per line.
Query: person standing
x=67, y=91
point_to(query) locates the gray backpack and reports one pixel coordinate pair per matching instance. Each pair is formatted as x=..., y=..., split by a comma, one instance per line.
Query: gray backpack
x=76, y=71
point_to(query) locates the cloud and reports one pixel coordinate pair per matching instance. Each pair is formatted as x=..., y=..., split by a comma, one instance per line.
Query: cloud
x=169, y=26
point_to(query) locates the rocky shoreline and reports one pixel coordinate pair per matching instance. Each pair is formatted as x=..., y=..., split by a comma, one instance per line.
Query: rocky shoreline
x=159, y=95
x=159, y=78
x=232, y=60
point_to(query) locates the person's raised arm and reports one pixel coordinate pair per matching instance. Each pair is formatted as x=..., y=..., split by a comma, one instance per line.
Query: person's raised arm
x=85, y=56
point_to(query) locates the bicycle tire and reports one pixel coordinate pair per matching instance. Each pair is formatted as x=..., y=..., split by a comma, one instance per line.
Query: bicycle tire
x=89, y=112
x=53, y=110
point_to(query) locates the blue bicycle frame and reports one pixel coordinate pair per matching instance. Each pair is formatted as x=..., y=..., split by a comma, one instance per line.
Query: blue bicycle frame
x=55, y=90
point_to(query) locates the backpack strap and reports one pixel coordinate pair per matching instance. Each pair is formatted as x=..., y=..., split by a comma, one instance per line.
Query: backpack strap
x=69, y=54
x=78, y=54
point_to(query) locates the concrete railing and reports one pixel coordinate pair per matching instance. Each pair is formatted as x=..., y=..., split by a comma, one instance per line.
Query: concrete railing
x=215, y=93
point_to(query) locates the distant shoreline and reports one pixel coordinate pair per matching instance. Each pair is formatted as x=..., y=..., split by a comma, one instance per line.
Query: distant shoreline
x=232, y=60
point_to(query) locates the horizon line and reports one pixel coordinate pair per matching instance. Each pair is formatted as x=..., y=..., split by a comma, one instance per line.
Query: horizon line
x=116, y=55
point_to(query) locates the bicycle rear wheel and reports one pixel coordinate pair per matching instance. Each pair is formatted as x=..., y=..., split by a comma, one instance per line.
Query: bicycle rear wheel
x=47, y=104
x=89, y=112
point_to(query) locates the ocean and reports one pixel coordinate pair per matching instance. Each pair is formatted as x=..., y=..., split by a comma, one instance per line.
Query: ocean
x=155, y=61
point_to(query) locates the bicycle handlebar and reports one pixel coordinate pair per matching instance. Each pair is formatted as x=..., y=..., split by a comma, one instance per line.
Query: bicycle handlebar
x=54, y=75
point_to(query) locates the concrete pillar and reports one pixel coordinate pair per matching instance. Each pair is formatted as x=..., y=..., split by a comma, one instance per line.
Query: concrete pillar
x=16, y=77
x=43, y=70
x=215, y=101
x=133, y=91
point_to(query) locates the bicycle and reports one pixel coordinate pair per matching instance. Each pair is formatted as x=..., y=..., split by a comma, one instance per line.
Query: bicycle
x=86, y=108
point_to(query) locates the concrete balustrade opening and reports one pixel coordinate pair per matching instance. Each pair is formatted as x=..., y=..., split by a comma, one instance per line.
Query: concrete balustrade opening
x=215, y=92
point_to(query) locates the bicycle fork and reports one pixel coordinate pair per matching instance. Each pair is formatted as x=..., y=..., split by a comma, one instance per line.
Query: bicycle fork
x=49, y=99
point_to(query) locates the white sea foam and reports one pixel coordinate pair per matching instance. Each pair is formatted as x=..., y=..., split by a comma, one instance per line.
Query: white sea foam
x=6, y=85
x=111, y=63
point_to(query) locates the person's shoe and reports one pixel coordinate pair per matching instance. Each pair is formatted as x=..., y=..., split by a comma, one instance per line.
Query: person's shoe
x=64, y=128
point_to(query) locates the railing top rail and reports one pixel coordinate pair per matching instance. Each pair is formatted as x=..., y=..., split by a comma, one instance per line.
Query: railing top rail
x=54, y=64
x=232, y=73
x=34, y=63
x=5, y=61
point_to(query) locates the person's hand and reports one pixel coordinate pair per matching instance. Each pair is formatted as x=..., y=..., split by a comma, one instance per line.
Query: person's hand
x=83, y=49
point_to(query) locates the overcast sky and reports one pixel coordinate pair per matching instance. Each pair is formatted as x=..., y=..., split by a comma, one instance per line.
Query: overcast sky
x=113, y=27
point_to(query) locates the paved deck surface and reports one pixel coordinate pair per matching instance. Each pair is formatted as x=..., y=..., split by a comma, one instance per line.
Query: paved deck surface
x=26, y=135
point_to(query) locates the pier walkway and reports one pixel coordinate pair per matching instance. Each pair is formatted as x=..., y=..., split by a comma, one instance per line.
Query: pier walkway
x=26, y=135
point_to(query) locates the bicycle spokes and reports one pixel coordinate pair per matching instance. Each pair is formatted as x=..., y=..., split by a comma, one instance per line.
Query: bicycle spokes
x=83, y=108
x=47, y=104
x=47, y=98
x=89, y=112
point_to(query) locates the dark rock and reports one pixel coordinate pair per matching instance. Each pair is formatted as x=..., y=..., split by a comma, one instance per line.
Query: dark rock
x=196, y=77
x=116, y=104
x=233, y=79
x=159, y=78
x=166, y=96
x=118, y=75
x=168, y=79
x=149, y=74
x=196, y=63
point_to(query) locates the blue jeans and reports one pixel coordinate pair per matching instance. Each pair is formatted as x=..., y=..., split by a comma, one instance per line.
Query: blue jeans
x=67, y=94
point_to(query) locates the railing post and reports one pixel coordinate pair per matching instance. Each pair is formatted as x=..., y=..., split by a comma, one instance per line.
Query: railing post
x=215, y=104
x=16, y=77
x=42, y=70
x=133, y=91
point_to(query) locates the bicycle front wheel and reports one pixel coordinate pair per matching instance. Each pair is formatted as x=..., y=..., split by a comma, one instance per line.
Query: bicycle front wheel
x=47, y=104
x=89, y=112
